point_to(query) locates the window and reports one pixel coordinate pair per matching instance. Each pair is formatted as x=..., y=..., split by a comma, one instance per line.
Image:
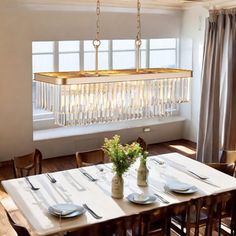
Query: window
x=69, y=55
x=43, y=56
x=113, y=54
x=163, y=53
x=123, y=54
x=89, y=55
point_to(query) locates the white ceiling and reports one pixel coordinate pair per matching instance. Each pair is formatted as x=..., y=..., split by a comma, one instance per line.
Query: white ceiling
x=129, y=4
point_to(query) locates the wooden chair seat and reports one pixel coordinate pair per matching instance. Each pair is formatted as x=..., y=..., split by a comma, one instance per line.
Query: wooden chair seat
x=226, y=208
x=200, y=213
x=192, y=217
x=89, y=158
x=207, y=211
x=28, y=164
x=20, y=230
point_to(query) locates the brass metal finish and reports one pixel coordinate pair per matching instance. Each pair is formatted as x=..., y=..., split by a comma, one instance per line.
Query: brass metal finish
x=109, y=76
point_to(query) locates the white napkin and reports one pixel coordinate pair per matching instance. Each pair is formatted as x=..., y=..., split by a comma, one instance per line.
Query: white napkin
x=177, y=185
x=140, y=197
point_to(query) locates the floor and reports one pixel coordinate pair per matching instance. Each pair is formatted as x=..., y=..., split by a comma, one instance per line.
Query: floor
x=184, y=147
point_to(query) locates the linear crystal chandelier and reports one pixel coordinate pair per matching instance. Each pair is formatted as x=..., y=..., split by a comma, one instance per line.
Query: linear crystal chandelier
x=88, y=97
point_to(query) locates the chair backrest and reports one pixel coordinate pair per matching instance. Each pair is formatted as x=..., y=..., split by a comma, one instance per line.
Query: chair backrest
x=207, y=205
x=89, y=158
x=38, y=160
x=228, y=156
x=142, y=143
x=192, y=215
x=227, y=168
x=122, y=226
x=204, y=211
x=20, y=230
x=226, y=207
x=28, y=164
x=181, y=212
x=155, y=222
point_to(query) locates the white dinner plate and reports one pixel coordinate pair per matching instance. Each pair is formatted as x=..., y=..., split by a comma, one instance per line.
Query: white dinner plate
x=190, y=190
x=66, y=210
x=144, y=199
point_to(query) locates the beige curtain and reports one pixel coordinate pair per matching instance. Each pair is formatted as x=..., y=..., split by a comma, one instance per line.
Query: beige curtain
x=217, y=127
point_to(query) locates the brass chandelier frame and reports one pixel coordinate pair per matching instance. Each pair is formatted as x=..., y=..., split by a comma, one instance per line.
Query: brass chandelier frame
x=109, y=76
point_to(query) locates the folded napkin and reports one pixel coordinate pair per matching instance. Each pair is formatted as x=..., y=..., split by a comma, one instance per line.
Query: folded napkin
x=140, y=197
x=63, y=209
x=177, y=185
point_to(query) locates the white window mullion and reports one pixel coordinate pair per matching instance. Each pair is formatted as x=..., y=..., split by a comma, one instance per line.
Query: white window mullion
x=81, y=54
x=148, y=53
x=110, y=54
x=177, y=59
x=56, y=56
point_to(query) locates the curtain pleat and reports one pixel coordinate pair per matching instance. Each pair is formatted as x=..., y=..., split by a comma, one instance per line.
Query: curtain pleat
x=217, y=114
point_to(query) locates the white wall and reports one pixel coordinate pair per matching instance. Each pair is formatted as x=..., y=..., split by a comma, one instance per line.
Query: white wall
x=19, y=27
x=192, y=39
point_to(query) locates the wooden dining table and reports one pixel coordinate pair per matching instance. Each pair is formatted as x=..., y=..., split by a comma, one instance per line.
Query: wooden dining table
x=73, y=186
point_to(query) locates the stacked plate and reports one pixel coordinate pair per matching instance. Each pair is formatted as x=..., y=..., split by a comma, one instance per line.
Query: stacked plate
x=66, y=210
x=180, y=187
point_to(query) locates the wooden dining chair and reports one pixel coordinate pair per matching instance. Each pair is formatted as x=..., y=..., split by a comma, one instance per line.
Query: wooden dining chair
x=122, y=226
x=155, y=222
x=226, y=208
x=89, y=158
x=228, y=156
x=227, y=168
x=142, y=143
x=28, y=164
x=199, y=213
x=208, y=212
x=20, y=230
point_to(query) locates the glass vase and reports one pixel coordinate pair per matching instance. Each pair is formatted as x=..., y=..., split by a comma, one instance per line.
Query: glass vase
x=117, y=190
x=142, y=175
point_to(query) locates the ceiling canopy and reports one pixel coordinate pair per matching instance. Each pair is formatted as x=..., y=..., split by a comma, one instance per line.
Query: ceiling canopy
x=129, y=4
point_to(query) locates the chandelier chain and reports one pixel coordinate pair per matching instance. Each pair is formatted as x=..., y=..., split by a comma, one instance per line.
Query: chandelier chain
x=98, y=20
x=138, y=41
x=138, y=37
x=96, y=41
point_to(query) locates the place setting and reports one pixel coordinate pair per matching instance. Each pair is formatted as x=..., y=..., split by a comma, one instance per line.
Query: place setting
x=179, y=187
x=70, y=210
x=66, y=210
x=142, y=198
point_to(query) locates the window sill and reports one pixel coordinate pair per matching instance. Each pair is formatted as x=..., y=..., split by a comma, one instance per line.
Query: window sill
x=63, y=132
